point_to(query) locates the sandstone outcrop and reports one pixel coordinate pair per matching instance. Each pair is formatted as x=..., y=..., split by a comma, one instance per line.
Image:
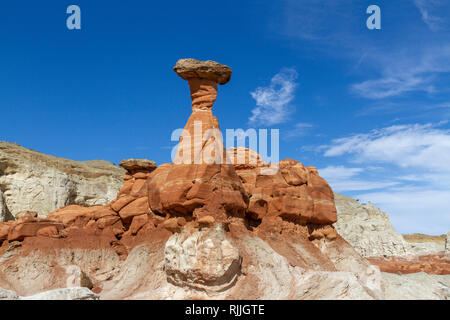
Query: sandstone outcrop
x=75, y=293
x=370, y=232
x=422, y=244
x=416, y=286
x=447, y=243
x=200, y=182
x=33, y=181
x=4, y=213
x=209, y=70
x=293, y=192
x=206, y=226
x=368, y=229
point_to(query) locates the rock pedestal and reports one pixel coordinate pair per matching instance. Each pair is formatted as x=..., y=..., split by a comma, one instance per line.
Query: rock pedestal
x=199, y=183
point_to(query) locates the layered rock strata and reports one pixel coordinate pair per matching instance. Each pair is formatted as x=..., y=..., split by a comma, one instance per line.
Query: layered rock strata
x=33, y=181
x=196, y=229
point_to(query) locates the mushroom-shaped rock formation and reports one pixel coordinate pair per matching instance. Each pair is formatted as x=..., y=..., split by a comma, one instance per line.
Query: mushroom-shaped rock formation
x=200, y=182
x=138, y=165
x=210, y=70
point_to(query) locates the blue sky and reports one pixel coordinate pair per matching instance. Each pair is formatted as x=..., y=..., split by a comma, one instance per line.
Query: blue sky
x=369, y=108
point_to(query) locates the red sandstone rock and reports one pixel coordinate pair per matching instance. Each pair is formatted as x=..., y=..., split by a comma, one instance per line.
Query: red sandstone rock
x=121, y=202
x=68, y=215
x=134, y=208
x=138, y=165
x=4, y=230
x=137, y=223
x=294, y=192
x=432, y=264
x=30, y=229
x=49, y=231
x=200, y=182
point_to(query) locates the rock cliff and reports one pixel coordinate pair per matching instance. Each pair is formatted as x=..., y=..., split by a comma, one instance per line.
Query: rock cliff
x=207, y=226
x=203, y=226
x=368, y=229
x=33, y=181
x=370, y=232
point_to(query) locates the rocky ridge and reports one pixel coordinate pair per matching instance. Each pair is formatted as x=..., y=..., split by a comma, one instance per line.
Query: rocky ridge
x=195, y=228
x=33, y=181
x=198, y=229
x=370, y=232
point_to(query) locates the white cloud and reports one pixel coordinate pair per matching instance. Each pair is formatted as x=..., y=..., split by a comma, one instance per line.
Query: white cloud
x=419, y=146
x=403, y=72
x=273, y=101
x=389, y=87
x=343, y=179
x=393, y=64
x=300, y=129
x=415, y=182
x=425, y=7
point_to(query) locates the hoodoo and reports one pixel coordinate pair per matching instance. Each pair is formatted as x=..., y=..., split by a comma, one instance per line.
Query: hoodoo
x=200, y=227
x=200, y=182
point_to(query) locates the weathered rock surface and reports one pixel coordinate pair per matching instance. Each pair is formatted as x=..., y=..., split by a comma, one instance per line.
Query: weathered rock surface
x=195, y=229
x=370, y=232
x=75, y=293
x=416, y=286
x=203, y=259
x=210, y=70
x=4, y=213
x=200, y=182
x=138, y=165
x=447, y=243
x=422, y=244
x=34, y=181
x=368, y=229
x=293, y=192
x=431, y=264
x=8, y=295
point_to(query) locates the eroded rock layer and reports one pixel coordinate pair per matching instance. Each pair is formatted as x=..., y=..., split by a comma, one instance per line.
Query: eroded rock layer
x=195, y=229
x=33, y=181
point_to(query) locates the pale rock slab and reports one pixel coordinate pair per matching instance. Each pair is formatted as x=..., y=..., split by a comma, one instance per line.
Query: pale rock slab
x=8, y=295
x=368, y=229
x=205, y=259
x=76, y=293
x=416, y=286
x=447, y=243
x=30, y=180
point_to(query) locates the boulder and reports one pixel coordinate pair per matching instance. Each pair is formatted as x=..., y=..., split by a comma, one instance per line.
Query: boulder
x=135, y=166
x=210, y=70
x=205, y=259
x=292, y=192
x=22, y=230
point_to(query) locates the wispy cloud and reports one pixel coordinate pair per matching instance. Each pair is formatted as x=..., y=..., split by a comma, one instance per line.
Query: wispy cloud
x=418, y=145
x=299, y=129
x=343, y=179
x=426, y=8
x=389, y=87
x=392, y=63
x=272, y=102
x=403, y=72
x=413, y=184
